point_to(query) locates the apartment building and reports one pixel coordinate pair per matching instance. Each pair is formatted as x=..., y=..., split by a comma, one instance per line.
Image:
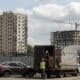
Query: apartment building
x=13, y=33
x=65, y=38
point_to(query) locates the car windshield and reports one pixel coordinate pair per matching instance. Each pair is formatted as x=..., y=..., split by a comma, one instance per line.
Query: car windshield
x=12, y=64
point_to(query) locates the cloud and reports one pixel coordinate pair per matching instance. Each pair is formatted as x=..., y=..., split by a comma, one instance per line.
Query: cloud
x=41, y=20
x=45, y=0
x=1, y=11
x=20, y=10
x=33, y=41
x=61, y=2
x=51, y=10
x=75, y=0
x=75, y=7
x=23, y=11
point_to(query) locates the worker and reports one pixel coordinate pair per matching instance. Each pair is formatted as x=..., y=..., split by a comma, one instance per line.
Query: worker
x=43, y=68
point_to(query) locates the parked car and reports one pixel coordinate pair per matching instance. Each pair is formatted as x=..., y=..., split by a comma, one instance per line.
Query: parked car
x=10, y=68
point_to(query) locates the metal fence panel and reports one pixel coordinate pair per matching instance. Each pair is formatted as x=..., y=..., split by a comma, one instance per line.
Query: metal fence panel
x=27, y=59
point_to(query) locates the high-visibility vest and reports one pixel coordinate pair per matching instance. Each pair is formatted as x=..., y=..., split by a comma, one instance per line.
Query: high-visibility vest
x=42, y=65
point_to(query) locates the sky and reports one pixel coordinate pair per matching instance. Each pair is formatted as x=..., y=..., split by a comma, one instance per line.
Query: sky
x=45, y=16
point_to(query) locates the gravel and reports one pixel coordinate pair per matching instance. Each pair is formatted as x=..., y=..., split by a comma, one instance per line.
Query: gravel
x=66, y=78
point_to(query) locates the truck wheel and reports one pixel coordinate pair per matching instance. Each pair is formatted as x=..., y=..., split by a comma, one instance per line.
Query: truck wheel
x=74, y=74
x=64, y=75
x=48, y=76
x=58, y=76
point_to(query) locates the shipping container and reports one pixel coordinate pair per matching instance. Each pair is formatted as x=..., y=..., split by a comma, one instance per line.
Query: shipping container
x=44, y=51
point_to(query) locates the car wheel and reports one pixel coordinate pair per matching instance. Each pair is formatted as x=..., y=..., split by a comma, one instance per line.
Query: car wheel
x=28, y=75
x=24, y=75
x=6, y=74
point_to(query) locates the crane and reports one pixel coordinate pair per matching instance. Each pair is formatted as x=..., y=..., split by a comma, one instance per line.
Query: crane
x=76, y=25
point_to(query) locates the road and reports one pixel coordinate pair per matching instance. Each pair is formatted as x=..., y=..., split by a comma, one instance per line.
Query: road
x=66, y=78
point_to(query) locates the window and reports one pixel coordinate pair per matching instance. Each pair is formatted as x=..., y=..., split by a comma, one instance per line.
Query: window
x=23, y=35
x=18, y=24
x=22, y=31
x=19, y=17
x=23, y=17
x=18, y=38
x=19, y=27
x=19, y=31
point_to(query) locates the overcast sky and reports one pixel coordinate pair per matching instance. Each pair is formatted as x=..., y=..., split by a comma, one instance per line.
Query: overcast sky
x=43, y=16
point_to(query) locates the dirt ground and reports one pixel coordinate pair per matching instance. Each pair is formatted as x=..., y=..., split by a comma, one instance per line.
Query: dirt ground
x=66, y=78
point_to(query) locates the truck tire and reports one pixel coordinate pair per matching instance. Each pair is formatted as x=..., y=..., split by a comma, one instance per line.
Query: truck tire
x=48, y=74
x=74, y=74
x=64, y=75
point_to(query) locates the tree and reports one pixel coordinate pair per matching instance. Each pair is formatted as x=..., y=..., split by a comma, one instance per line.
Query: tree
x=30, y=49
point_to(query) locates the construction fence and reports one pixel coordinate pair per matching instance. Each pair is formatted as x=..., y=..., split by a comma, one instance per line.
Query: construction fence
x=27, y=59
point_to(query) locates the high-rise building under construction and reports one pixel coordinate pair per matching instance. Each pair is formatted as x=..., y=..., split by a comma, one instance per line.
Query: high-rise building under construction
x=65, y=38
x=13, y=33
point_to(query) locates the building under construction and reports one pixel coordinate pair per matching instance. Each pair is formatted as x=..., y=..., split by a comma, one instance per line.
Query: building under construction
x=65, y=38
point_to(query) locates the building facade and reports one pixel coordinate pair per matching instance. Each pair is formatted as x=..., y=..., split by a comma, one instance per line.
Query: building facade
x=65, y=38
x=13, y=33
